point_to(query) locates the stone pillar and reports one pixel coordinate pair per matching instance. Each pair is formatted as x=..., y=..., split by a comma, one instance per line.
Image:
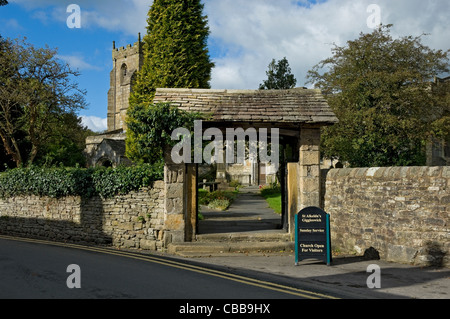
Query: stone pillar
x=191, y=202
x=309, y=168
x=175, y=201
x=292, y=196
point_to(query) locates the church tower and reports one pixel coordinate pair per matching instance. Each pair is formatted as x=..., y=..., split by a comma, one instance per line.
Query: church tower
x=127, y=61
x=108, y=149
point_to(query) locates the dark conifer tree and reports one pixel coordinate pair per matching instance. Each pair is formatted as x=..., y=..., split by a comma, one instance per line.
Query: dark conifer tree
x=279, y=76
x=175, y=49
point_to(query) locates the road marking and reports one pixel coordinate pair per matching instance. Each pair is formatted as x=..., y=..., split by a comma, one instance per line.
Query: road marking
x=175, y=264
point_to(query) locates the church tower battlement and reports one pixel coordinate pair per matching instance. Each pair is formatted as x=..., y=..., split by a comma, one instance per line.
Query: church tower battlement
x=127, y=61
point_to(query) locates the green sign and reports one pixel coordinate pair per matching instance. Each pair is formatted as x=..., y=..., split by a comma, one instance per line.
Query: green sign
x=312, y=235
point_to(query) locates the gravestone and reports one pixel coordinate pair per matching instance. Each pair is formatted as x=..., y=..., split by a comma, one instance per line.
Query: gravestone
x=312, y=235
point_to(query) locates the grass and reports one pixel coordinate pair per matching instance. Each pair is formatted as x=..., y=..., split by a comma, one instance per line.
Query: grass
x=272, y=194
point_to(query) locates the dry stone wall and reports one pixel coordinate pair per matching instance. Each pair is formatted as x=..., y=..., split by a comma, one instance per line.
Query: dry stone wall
x=403, y=212
x=135, y=220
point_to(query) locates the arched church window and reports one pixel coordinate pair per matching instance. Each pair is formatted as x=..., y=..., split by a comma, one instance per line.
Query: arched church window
x=123, y=73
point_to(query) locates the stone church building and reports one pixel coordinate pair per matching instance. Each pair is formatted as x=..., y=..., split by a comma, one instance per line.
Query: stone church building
x=108, y=149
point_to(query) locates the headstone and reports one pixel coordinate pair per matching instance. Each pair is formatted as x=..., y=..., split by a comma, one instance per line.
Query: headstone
x=312, y=235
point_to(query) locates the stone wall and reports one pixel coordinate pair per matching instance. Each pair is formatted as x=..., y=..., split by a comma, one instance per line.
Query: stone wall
x=402, y=212
x=135, y=220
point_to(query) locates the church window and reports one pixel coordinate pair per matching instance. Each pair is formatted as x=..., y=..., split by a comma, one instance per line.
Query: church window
x=123, y=73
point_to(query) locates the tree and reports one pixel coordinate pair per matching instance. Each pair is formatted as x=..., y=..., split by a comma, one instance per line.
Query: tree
x=66, y=143
x=150, y=129
x=36, y=93
x=175, y=49
x=279, y=76
x=379, y=88
x=440, y=128
x=3, y=3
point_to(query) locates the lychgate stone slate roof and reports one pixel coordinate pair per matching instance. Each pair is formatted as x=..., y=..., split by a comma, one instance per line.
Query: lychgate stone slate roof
x=294, y=106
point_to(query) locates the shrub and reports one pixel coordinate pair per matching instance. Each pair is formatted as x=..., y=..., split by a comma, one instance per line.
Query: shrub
x=217, y=200
x=113, y=181
x=235, y=184
x=220, y=204
x=60, y=181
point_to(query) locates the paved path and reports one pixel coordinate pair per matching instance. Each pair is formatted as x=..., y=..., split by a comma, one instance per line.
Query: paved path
x=347, y=275
x=249, y=212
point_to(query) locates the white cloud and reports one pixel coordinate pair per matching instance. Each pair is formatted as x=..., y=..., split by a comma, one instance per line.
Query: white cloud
x=257, y=31
x=248, y=34
x=10, y=24
x=77, y=62
x=94, y=123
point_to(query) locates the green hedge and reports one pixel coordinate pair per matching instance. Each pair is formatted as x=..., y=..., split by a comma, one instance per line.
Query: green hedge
x=60, y=181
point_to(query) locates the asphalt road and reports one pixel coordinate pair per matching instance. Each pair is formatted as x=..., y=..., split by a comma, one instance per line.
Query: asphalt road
x=31, y=269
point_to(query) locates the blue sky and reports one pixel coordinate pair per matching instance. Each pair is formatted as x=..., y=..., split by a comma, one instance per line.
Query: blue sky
x=245, y=35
